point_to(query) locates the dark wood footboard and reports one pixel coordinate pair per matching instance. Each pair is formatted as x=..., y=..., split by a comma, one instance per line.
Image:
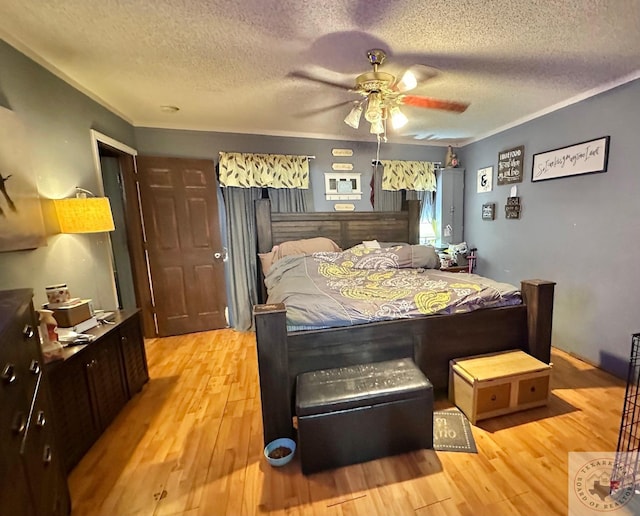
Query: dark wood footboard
x=431, y=341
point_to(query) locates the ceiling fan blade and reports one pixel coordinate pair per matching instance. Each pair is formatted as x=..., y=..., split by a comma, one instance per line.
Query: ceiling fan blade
x=413, y=76
x=317, y=111
x=431, y=103
x=304, y=75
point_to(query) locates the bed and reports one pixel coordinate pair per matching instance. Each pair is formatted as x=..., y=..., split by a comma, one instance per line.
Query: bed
x=432, y=341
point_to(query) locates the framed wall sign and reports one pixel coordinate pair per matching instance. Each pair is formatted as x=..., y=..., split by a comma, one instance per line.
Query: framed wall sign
x=485, y=179
x=342, y=186
x=21, y=222
x=582, y=158
x=489, y=211
x=510, y=164
x=512, y=208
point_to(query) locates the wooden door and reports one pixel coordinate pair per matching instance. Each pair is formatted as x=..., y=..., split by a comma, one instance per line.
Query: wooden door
x=185, y=254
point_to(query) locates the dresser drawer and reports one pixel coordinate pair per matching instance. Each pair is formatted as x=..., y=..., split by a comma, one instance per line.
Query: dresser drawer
x=40, y=456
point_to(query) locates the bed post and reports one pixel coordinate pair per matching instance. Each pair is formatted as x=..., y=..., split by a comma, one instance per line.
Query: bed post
x=263, y=225
x=413, y=207
x=273, y=368
x=538, y=297
x=264, y=242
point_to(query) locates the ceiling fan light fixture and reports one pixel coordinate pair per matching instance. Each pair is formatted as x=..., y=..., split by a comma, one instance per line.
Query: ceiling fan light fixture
x=374, y=108
x=377, y=127
x=408, y=81
x=398, y=119
x=353, y=118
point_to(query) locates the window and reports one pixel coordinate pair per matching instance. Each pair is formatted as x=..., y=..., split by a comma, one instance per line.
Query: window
x=427, y=233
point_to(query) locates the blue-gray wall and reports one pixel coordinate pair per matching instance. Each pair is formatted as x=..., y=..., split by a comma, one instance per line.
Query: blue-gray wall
x=58, y=120
x=581, y=231
x=207, y=145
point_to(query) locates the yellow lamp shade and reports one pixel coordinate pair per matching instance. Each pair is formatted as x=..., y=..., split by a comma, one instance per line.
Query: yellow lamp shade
x=84, y=215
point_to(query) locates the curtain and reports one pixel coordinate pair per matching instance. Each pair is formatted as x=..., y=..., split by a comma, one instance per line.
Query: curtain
x=244, y=177
x=426, y=204
x=263, y=170
x=290, y=200
x=383, y=200
x=240, y=214
x=241, y=236
x=408, y=175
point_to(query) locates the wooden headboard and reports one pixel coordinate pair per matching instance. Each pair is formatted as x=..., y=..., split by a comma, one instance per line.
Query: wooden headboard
x=345, y=228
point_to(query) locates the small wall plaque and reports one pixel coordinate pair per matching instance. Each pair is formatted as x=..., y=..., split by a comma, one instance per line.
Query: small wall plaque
x=342, y=166
x=512, y=208
x=342, y=152
x=485, y=176
x=489, y=211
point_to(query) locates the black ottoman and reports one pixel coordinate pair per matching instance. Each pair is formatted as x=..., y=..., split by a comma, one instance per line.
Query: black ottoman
x=359, y=413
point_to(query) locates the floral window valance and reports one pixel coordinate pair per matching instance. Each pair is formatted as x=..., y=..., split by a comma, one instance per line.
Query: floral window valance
x=408, y=175
x=263, y=170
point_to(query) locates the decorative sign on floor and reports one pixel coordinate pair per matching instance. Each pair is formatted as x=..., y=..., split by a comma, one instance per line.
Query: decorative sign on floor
x=510, y=164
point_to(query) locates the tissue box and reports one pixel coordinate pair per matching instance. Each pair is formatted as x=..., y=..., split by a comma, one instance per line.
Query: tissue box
x=72, y=315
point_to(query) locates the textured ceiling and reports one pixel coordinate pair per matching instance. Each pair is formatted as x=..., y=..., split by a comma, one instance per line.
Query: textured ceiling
x=226, y=64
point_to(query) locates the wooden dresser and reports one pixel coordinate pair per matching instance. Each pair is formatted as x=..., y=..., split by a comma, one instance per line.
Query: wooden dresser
x=93, y=382
x=32, y=481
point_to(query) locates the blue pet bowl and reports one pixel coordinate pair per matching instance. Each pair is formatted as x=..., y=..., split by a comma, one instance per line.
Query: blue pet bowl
x=282, y=442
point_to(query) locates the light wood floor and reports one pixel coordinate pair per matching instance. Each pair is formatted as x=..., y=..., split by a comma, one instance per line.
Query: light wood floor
x=190, y=444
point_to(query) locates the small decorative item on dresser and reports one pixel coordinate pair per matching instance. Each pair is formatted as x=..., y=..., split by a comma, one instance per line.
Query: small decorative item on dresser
x=48, y=326
x=58, y=293
x=68, y=316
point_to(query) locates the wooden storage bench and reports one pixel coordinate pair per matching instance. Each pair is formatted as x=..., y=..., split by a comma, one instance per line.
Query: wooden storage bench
x=491, y=385
x=354, y=414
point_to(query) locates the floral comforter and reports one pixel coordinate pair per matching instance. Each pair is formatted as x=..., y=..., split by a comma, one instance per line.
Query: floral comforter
x=360, y=286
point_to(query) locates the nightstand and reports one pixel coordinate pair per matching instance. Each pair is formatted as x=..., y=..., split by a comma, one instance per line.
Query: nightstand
x=455, y=268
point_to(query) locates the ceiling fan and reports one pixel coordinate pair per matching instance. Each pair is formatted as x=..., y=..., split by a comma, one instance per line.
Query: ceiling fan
x=383, y=94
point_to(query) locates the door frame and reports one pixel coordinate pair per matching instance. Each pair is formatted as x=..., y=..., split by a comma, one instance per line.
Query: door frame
x=134, y=227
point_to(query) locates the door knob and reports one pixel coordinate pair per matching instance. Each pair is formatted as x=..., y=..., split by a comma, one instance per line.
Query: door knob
x=221, y=255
